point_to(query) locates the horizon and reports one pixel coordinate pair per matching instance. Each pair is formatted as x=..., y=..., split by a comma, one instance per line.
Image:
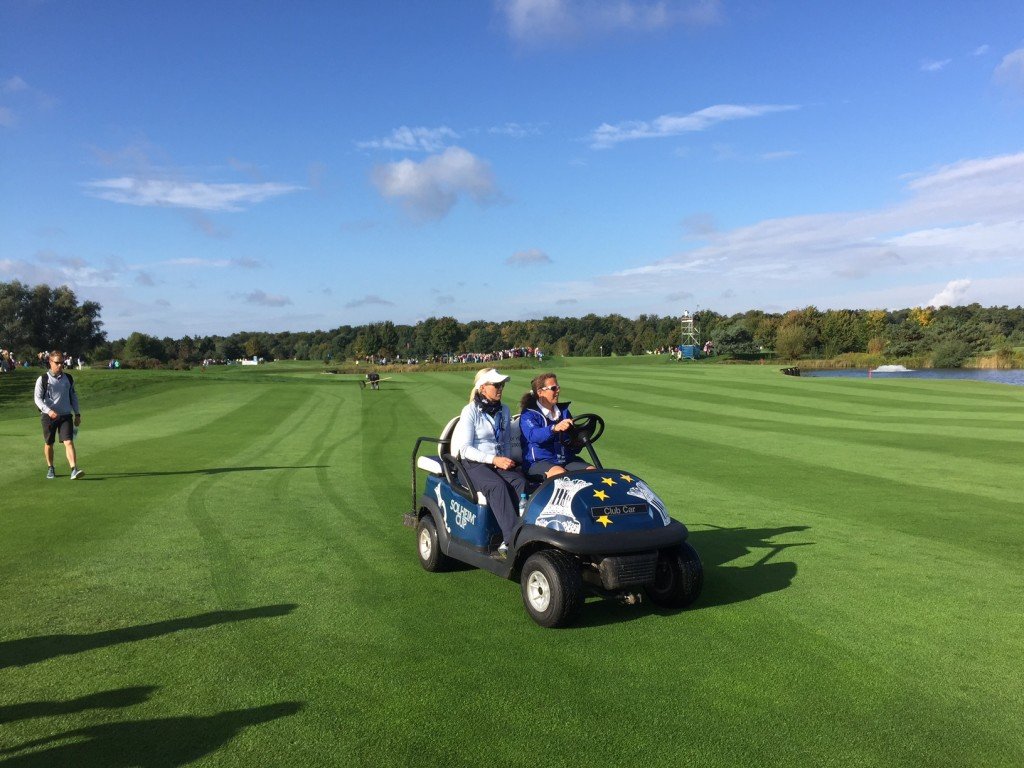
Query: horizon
x=306, y=168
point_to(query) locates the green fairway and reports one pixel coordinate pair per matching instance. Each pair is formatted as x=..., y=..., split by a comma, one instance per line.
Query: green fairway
x=230, y=582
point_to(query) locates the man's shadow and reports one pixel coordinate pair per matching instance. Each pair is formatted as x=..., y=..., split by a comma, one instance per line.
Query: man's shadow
x=116, y=699
x=30, y=650
x=725, y=584
x=160, y=743
x=204, y=471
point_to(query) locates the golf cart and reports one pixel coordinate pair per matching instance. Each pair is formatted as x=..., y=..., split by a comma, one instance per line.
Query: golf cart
x=601, y=532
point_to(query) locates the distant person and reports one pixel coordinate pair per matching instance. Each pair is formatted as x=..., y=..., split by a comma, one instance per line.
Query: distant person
x=374, y=379
x=485, y=433
x=57, y=400
x=545, y=424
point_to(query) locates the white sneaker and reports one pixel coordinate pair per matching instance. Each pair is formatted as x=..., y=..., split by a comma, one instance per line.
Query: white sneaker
x=76, y=473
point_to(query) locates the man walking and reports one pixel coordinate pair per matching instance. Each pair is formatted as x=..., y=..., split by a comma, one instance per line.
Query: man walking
x=56, y=400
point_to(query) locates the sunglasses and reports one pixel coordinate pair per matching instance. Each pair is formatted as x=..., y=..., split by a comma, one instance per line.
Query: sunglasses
x=552, y=388
x=498, y=386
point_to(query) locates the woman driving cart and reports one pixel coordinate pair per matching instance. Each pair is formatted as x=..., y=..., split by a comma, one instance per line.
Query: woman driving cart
x=546, y=425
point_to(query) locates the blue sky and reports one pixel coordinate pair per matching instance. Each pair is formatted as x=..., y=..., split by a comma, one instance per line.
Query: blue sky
x=209, y=167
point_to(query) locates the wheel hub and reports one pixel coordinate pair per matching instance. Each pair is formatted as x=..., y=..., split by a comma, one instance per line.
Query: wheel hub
x=538, y=591
x=426, y=545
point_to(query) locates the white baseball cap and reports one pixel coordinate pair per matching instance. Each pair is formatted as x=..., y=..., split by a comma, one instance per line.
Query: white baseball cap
x=490, y=376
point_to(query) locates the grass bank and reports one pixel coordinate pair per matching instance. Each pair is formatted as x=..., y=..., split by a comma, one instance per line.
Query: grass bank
x=230, y=583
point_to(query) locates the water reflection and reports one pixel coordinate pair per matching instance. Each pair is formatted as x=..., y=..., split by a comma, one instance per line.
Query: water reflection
x=1015, y=377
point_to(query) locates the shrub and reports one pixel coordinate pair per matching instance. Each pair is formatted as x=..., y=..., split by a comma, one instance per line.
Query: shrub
x=951, y=354
x=150, y=363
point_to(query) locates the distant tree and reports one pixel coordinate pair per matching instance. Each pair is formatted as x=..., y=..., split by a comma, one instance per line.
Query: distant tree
x=841, y=331
x=791, y=341
x=445, y=335
x=228, y=349
x=40, y=317
x=254, y=347
x=951, y=354
x=140, y=346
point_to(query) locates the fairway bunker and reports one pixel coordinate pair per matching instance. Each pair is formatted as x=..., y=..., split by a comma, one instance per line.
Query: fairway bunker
x=597, y=532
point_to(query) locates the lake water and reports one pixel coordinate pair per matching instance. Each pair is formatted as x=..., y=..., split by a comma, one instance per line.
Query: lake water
x=999, y=377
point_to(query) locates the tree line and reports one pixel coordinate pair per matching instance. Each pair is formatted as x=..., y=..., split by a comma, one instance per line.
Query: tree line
x=39, y=317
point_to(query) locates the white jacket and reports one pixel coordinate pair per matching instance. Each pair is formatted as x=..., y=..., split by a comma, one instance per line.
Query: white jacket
x=480, y=437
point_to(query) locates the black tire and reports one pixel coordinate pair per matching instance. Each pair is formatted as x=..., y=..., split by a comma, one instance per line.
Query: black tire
x=428, y=548
x=678, y=578
x=552, y=588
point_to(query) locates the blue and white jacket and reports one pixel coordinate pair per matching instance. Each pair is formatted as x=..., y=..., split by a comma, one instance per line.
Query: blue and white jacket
x=539, y=442
x=481, y=437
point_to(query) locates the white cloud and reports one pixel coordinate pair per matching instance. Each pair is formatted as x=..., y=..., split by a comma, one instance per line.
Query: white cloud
x=537, y=21
x=428, y=190
x=16, y=90
x=981, y=50
x=967, y=213
x=264, y=299
x=190, y=195
x=50, y=268
x=369, y=300
x=406, y=139
x=13, y=85
x=951, y=295
x=191, y=261
x=515, y=130
x=531, y=257
x=932, y=65
x=1010, y=71
x=607, y=135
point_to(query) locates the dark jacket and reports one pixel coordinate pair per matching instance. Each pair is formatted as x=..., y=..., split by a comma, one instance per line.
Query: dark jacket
x=539, y=443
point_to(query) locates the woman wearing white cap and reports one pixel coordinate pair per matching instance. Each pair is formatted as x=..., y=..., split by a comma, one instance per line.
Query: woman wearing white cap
x=484, y=432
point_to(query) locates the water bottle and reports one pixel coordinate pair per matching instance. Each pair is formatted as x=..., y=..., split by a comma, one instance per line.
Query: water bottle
x=522, y=504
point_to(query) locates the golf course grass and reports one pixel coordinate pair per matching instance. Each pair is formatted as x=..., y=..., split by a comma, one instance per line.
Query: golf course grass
x=230, y=583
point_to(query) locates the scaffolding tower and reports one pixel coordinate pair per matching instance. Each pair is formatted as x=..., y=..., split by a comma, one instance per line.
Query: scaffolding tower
x=689, y=349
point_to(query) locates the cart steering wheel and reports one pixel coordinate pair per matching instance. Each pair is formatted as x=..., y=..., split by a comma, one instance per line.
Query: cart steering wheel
x=586, y=428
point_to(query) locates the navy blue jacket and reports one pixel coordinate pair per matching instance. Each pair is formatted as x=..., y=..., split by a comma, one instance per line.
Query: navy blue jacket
x=539, y=443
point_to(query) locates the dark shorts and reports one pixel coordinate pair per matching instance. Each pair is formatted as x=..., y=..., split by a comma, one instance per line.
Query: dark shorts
x=62, y=425
x=540, y=468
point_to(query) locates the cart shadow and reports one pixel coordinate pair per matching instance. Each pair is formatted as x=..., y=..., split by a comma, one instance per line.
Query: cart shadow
x=158, y=743
x=31, y=650
x=726, y=584
x=723, y=584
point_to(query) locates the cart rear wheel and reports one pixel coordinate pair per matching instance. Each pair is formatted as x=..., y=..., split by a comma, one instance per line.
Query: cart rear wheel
x=429, y=548
x=678, y=578
x=552, y=588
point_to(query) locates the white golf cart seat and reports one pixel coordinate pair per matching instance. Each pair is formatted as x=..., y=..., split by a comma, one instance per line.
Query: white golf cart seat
x=433, y=465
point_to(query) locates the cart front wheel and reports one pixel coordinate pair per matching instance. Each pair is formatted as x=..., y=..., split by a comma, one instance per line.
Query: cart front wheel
x=552, y=588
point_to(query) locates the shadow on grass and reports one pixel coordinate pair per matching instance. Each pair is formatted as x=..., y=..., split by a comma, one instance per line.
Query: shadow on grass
x=726, y=584
x=116, y=699
x=723, y=584
x=207, y=471
x=30, y=650
x=161, y=743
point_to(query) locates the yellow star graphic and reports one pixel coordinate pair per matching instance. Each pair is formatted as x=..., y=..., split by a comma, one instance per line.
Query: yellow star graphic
x=600, y=495
x=607, y=481
x=627, y=478
x=604, y=520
